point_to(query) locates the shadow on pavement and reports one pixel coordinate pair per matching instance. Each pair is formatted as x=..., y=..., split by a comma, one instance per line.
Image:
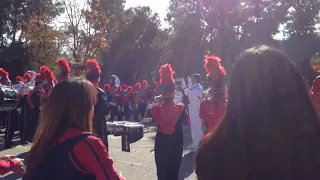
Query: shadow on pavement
x=187, y=165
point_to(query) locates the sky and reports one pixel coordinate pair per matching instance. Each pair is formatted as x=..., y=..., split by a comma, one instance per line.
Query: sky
x=157, y=6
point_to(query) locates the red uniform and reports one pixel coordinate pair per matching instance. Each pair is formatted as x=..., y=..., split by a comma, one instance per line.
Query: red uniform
x=93, y=155
x=212, y=110
x=7, y=166
x=166, y=116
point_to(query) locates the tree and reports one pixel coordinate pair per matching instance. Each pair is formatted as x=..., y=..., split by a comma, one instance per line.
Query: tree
x=86, y=28
x=137, y=43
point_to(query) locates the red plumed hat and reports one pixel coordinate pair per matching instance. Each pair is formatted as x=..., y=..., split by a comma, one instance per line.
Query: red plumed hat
x=213, y=67
x=43, y=68
x=137, y=86
x=107, y=87
x=3, y=73
x=93, y=70
x=63, y=74
x=27, y=77
x=129, y=89
x=144, y=83
x=63, y=65
x=19, y=79
x=167, y=85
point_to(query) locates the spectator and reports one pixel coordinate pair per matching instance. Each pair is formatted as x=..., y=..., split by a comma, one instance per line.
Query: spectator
x=271, y=129
x=11, y=163
x=64, y=147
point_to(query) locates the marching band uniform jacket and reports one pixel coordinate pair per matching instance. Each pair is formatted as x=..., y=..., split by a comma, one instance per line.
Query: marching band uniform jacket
x=101, y=110
x=212, y=110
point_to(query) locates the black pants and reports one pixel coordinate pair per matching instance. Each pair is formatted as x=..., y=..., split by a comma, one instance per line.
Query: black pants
x=12, y=118
x=25, y=116
x=32, y=124
x=99, y=126
x=126, y=112
x=168, y=155
x=114, y=112
x=142, y=109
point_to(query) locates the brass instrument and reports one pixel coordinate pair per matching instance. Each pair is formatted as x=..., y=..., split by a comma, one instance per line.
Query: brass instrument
x=315, y=62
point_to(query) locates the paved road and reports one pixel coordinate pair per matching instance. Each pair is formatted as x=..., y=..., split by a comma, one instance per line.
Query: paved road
x=136, y=165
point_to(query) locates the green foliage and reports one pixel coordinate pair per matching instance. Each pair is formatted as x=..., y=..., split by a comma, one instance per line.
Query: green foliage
x=132, y=43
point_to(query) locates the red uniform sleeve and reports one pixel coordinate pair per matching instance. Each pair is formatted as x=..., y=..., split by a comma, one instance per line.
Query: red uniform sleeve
x=93, y=155
x=30, y=100
x=6, y=166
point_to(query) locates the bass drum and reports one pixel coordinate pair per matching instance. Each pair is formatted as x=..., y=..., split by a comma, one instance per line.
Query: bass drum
x=8, y=98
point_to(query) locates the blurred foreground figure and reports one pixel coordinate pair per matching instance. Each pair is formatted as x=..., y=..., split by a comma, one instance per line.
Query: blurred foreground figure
x=169, y=139
x=64, y=147
x=315, y=92
x=214, y=105
x=11, y=163
x=271, y=130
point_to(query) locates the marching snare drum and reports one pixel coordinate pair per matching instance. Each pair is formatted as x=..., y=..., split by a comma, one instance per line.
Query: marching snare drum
x=8, y=98
x=129, y=132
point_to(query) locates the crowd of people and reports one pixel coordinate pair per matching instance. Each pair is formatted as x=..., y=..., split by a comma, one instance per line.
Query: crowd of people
x=263, y=124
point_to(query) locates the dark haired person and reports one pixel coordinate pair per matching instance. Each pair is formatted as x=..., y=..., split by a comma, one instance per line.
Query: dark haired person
x=101, y=109
x=64, y=147
x=195, y=93
x=213, y=107
x=271, y=128
x=169, y=138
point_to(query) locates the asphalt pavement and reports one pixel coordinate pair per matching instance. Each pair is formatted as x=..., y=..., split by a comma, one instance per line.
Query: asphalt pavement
x=137, y=165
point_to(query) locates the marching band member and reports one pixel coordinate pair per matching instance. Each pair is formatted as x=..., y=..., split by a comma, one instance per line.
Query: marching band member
x=8, y=116
x=25, y=113
x=4, y=77
x=169, y=138
x=35, y=99
x=27, y=77
x=101, y=109
x=122, y=100
x=107, y=90
x=19, y=80
x=42, y=70
x=126, y=102
x=114, y=103
x=213, y=107
x=49, y=82
x=143, y=92
x=63, y=73
x=136, y=101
